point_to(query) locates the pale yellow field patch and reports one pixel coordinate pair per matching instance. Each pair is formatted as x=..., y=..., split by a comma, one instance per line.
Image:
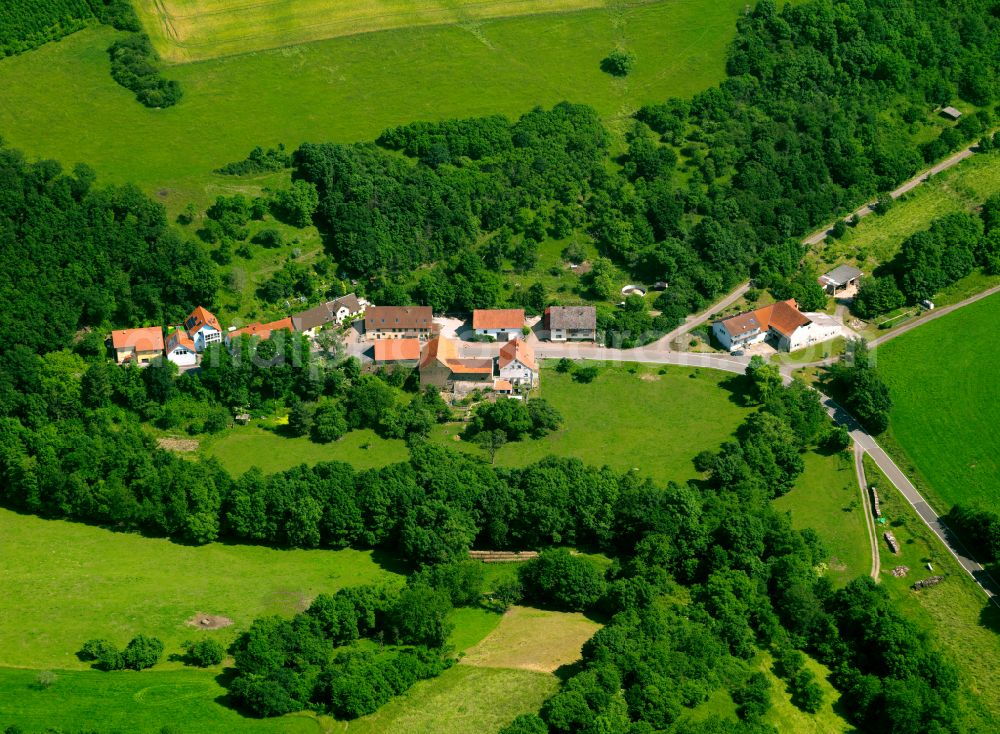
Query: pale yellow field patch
x=533, y=639
x=194, y=30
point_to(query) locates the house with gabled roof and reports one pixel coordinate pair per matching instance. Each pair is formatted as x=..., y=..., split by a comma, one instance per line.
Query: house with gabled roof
x=571, y=323
x=203, y=328
x=180, y=349
x=442, y=366
x=399, y=322
x=137, y=346
x=780, y=323
x=333, y=312
x=517, y=364
x=500, y=323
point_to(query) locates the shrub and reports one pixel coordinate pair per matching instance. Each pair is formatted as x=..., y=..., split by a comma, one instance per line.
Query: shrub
x=133, y=66
x=586, y=374
x=142, y=652
x=618, y=63
x=204, y=652
x=565, y=580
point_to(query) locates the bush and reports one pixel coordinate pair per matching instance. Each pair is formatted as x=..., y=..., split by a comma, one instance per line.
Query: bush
x=806, y=693
x=204, y=653
x=618, y=63
x=133, y=66
x=142, y=652
x=753, y=697
x=586, y=374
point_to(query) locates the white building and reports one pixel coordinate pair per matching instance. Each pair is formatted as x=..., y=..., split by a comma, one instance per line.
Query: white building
x=203, y=328
x=334, y=312
x=502, y=324
x=781, y=323
x=180, y=349
x=517, y=363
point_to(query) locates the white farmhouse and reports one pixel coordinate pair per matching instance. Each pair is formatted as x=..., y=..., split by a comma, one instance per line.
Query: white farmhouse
x=517, y=363
x=781, y=323
x=502, y=324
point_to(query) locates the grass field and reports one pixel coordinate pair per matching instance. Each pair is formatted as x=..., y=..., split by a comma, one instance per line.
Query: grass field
x=646, y=420
x=195, y=30
x=877, y=238
x=243, y=447
x=946, y=387
x=60, y=102
x=956, y=612
x=827, y=499
x=143, y=703
x=65, y=583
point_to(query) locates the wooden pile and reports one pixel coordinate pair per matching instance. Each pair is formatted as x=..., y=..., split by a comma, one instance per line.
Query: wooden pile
x=502, y=556
x=924, y=583
x=891, y=540
x=900, y=571
x=876, y=509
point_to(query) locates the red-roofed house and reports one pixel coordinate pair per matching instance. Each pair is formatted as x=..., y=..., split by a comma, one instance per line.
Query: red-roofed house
x=180, y=349
x=517, y=363
x=782, y=322
x=137, y=346
x=500, y=323
x=440, y=364
x=397, y=351
x=262, y=331
x=203, y=328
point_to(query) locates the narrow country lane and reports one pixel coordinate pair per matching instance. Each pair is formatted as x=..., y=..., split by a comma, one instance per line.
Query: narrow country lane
x=866, y=505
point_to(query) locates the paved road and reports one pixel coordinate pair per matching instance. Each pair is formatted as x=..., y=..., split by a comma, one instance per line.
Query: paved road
x=931, y=315
x=694, y=321
x=900, y=481
x=859, y=469
x=954, y=160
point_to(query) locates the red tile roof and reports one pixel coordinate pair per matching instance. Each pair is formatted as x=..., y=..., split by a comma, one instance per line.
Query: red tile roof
x=444, y=351
x=199, y=318
x=146, y=339
x=397, y=350
x=498, y=318
x=502, y=386
x=520, y=350
x=783, y=316
x=263, y=330
x=179, y=338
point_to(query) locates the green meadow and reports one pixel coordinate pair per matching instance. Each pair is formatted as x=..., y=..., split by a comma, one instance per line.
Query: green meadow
x=60, y=102
x=945, y=385
x=66, y=582
x=645, y=417
x=827, y=499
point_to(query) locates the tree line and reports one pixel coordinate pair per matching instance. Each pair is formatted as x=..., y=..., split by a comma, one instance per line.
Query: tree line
x=27, y=24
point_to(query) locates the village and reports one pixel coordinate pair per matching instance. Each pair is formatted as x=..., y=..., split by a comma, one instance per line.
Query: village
x=454, y=354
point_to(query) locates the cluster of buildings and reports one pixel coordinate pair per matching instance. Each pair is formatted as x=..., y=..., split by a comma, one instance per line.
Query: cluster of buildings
x=184, y=342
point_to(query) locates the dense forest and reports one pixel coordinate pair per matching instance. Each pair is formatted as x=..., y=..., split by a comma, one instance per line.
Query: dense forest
x=27, y=24
x=823, y=108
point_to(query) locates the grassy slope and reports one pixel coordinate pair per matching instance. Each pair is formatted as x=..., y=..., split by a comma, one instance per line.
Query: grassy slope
x=243, y=447
x=654, y=422
x=826, y=498
x=60, y=101
x=195, y=30
x=956, y=612
x=945, y=390
x=69, y=582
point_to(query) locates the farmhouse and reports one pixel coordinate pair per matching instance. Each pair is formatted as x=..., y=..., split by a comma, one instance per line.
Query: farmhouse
x=262, y=331
x=782, y=323
x=332, y=312
x=441, y=365
x=564, y=323
x=840, y=279
x=180, y=349
x=137, y=346
x=397, y=351
x=517, y=364
x=502, y=324
x=203, y=328
x=399, y=322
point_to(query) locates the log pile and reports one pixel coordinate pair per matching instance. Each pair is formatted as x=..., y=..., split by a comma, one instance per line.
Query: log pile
x=487, y=556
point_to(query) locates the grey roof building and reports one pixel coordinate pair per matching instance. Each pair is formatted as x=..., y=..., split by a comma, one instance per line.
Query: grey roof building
x=840, y=278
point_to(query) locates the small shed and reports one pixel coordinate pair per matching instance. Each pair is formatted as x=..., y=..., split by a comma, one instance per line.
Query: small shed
x=243, y=418
x=840, y=279
x=951, y=113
